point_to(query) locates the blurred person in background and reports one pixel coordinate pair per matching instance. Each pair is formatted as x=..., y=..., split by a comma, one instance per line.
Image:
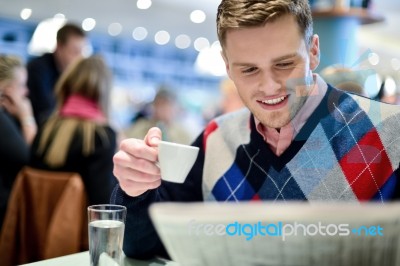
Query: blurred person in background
x=14, y=95
x=18, y=127
x=77, y=137
x=163, y=114
x=343, y=78
x=231, y=100
x=44, y=71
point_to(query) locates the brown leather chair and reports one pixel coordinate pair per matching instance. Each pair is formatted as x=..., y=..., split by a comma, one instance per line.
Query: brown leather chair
x=46, y=217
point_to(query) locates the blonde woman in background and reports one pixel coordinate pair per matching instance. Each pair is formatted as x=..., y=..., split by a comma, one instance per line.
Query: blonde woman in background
x=18, y=128
x=13, y=95
x=77, y=137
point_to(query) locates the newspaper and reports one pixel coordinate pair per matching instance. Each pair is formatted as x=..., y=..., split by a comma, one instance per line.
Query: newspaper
x=296, y=233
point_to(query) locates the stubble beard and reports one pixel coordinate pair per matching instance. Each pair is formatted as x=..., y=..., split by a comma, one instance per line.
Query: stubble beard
x=280, y=118
x=274, y=119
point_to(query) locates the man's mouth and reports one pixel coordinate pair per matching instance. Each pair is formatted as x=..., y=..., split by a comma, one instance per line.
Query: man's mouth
x=274, y=101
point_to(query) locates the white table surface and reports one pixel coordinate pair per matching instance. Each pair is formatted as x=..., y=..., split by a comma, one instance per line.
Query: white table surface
x=82, y=259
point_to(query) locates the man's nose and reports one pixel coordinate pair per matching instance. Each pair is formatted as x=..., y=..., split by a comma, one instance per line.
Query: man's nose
x=268, y=82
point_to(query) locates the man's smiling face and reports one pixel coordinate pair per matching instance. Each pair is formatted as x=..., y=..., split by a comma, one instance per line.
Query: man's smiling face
x=272, y=67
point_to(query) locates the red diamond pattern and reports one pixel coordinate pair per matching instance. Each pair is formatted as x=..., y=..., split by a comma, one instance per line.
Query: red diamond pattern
x=363, y=180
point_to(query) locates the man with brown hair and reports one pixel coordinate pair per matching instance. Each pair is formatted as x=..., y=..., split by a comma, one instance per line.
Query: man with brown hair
x=44, y=71
x=300, y=139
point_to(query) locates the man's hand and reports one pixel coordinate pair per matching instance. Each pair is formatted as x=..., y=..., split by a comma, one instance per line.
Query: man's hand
x=135, y=164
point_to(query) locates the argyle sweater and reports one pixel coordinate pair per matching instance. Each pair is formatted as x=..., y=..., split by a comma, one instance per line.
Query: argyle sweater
x=348, y=150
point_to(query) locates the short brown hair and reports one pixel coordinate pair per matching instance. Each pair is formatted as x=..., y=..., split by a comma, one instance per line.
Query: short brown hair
x=235, y=14
x=68, y=30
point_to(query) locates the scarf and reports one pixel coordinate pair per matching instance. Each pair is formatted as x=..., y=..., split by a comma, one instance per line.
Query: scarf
x=82, y=107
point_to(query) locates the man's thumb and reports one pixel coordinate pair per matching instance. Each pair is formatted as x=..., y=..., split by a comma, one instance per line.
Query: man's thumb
x=153, y=137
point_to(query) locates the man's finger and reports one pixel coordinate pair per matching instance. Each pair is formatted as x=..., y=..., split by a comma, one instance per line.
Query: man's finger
x=153, y=137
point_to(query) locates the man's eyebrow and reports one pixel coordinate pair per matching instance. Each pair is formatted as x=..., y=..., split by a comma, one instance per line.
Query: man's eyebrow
x=289, y=56
x=242, y=64
x=284, y=57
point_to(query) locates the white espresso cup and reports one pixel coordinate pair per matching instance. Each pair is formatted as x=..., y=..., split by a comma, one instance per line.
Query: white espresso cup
x=175, y=160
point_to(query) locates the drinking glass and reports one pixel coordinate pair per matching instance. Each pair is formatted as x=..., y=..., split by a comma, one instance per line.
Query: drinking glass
x=106, y=234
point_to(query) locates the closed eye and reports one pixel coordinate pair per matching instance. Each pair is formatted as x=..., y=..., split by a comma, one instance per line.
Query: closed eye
x=249, y=70
x=284, y=65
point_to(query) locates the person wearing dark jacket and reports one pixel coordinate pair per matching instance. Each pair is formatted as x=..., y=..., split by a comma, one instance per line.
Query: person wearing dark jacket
x=44, y=71
x=17, y=125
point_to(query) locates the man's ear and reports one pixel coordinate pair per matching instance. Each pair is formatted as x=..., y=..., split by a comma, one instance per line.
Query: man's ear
x=314, y=52
x=226, y=63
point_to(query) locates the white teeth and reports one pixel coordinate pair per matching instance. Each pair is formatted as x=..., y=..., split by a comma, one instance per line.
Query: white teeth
x=274, y=101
